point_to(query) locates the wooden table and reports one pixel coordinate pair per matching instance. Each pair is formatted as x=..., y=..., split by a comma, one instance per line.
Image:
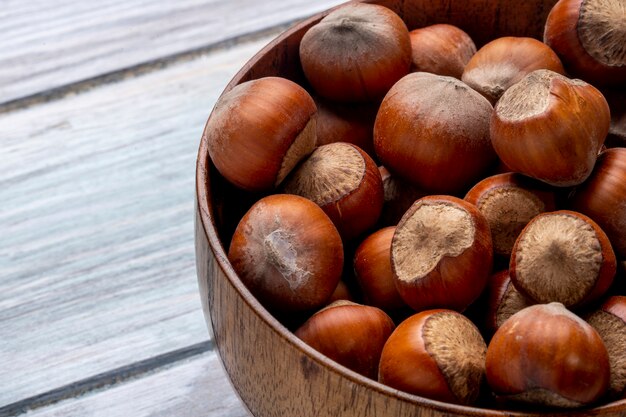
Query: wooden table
x=102, y=105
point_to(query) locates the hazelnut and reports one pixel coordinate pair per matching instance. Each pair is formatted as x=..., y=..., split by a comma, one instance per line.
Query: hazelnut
x=399, y=196
x=441, y=49
x=288, y=253
x=502, y=301
x=610, y=323
x=354, y=123
x=259, y=131
x=433, y=131
x=590, y=38
x=356, y=53
x=372, y=267
x=550, y=128
x=350, y=334
x=345, y=182
x=546, y=355
x=603, y=197
x=438, y=354
x=508, y=202
x=504, y=61
x=562, y=256
x=342, y=292
x=441, y=254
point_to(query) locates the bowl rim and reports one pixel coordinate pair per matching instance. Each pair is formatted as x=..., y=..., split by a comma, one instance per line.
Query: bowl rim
x=209, y=227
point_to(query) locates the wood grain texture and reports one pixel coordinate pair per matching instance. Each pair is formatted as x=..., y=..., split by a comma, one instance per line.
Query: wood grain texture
x=483, y=20
x=47, y=44
x=96, y=253
x=274, y=372
x=197, y=387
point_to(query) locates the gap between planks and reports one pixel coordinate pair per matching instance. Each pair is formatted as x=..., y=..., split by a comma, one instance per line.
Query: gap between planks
x=142, y=367
x=144, y=68
x=98, y=212
x=52, y=44
x=106, y=379
x=194, y=387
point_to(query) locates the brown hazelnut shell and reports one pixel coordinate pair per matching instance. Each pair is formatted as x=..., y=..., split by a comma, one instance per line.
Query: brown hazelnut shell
x=399, y=196
x=433, y=131
x=550, y=128
x=504, y=61
x=350, y=334
x=412, y=359
x=342, y=292
x=572, y=292
x=582, y=37
x=372, y=268
x=547, y=356
x=603, y=197
x=441, y=49
x=502, y=300
x=452, y=268
x=288, y=253
x=509, y=201
x=339, y=122
x=610, y=322
x=345, y=182
x=260, y=130
x=356, y=53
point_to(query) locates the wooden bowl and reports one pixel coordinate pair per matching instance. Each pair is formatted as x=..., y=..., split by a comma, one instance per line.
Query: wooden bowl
x=273, y=372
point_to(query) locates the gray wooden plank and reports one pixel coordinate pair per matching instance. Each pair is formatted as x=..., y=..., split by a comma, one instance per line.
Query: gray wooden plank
x=197, y=387
x=47, y=44
x=96, y=225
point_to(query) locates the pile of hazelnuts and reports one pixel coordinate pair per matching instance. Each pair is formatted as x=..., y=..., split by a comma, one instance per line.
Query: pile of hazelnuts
x=448, y=221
